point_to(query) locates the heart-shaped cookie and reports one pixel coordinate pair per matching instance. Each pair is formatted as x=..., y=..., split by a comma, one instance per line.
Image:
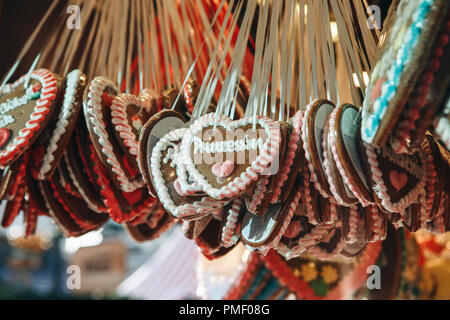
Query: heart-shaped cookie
x=344, y=155
x=25, y=112
x=154, y=129
x=397, y=179
x=252, y=144
x=315, y=118
x=68, y=113
x=128, y=115
x=163, y=175
x=98, y=100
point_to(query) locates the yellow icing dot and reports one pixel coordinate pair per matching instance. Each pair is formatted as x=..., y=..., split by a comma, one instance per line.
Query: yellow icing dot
x=296, y=272
x=329, y=274
x=309, y=272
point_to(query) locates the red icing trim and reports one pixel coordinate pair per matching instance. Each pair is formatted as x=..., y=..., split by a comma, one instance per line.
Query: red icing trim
x=15, y=206
x=42, y=108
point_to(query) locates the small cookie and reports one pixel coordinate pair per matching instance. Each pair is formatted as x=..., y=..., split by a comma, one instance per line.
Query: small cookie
x=154, y=129
x=314, y=121
x=127, y=113
x=25, y=112
x=352, y=183
x=397, y=179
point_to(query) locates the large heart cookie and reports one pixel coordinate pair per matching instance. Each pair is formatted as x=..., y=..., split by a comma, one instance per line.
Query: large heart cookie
x=163, y=175
x=250, y=146
x=24, y=112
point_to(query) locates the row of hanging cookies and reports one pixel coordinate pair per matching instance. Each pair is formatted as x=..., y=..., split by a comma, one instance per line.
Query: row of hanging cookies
x=69, y=151
x=307, y=184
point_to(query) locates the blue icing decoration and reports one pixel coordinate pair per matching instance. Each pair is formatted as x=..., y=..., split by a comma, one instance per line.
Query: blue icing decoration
x=403, y=55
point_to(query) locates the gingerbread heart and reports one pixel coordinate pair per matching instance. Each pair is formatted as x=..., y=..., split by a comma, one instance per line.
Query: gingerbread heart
x=57, y=141
x=250, y=144
x=25, y=112
x=99, y=97
x=163, y=174
x=128, y=115
x=397, y=179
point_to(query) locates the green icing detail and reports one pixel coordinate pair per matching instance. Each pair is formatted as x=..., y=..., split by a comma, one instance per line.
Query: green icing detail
x=319, y=286
x=35, y=96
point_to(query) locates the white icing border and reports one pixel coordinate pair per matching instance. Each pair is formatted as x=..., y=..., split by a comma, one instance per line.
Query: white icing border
x=93, y=109
x=199, y=208
x=63, y=122
x=268, y=152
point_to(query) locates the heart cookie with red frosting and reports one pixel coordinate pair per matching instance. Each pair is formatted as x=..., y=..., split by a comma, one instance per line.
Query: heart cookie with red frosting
x=25, y=112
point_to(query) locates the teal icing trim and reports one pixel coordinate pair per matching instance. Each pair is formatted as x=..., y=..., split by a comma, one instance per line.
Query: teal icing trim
x=403, y=55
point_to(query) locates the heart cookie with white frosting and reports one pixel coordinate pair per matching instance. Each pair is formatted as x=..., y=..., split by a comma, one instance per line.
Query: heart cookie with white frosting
x=225, y=157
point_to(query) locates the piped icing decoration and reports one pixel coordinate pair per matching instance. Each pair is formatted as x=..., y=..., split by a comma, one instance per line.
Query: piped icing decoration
x=26, y=115
x=229, y=233
x=397, y=179
x=179, y=207
x=127, y=117
x=293, y=144
x=308, y=198
x=223, y=170
x=62, y=126
x=351, y=236
x=184, y=184
x=256, y=149
x=403, y=134
x=395, y=62
x=94, y=115
x=258, y=195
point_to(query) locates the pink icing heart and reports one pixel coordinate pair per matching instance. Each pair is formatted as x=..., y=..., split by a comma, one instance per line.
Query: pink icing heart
x=398, y=179
x=292, y=230
x=223, y=170
x=376, y=91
